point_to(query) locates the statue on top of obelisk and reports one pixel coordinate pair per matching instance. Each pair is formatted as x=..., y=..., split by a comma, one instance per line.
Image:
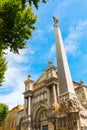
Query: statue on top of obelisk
x=55, y=22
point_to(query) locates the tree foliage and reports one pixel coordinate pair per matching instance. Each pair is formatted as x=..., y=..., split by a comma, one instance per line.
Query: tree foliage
x=3, y=112
x=3, y=67
x=16, y=25
x=34, y=2
x=17, y=21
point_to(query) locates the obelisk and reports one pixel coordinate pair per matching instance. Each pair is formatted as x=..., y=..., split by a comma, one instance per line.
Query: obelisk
x=65, y=80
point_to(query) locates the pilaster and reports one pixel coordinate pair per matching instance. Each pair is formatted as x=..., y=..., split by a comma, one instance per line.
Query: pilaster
x=54, y=94
x=27, y=99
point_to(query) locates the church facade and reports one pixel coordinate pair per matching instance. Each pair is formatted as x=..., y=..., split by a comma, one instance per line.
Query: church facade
x=43, y=96
x=54, y=102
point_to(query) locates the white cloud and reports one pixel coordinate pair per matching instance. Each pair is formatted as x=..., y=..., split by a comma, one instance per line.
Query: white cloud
x=15, y=96
x=71, y=41
x=21, y=57
x=12, y=99
x=51, y=28
x=39, y=34
x=60, y=10
x=75, y=34
x=52, y=51
x=15, y=75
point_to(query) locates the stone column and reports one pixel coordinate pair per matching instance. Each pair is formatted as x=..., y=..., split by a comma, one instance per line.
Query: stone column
x=84, y=89
x=58, y=92
x=54, y=94
x=28, y=95
x=78, y=124
x=29, y=112
x=25, y=105
x=29, y=106
x=48, y=94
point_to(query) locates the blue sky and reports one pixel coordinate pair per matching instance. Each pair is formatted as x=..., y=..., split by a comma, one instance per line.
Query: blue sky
x=72, y=15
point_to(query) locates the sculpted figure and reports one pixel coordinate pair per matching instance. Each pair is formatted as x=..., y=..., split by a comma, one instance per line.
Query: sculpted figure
x=55, y=21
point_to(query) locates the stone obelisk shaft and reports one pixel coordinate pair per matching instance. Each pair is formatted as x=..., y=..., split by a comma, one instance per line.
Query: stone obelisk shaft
x=65, y=80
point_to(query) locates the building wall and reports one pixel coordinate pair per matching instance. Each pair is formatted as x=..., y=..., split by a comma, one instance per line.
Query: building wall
x=11, y=119
x=81, y=92
x=0, y=128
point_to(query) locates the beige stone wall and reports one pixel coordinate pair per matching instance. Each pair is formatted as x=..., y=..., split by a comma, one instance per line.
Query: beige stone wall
x=20, y=114
x=39, y=95
x=80, y=94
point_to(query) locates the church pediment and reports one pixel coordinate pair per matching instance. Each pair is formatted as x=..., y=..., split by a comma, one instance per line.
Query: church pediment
x=41, y=79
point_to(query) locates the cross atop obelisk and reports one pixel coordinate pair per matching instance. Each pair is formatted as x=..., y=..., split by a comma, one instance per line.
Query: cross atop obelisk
x=65, y=80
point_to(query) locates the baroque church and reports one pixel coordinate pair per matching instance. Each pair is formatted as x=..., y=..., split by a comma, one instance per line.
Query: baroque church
x=54, y=101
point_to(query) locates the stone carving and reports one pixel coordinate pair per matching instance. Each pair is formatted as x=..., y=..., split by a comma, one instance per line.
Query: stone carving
x=70, y=104
x=25, y=122
x=55, y=107
x=83, y=113
x=55, y=22
x=74, y=122
x=63, y=104
x=84, y=104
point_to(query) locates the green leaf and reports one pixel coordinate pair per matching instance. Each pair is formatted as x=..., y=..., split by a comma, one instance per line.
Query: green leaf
x=3, y=112
x=3, y=67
